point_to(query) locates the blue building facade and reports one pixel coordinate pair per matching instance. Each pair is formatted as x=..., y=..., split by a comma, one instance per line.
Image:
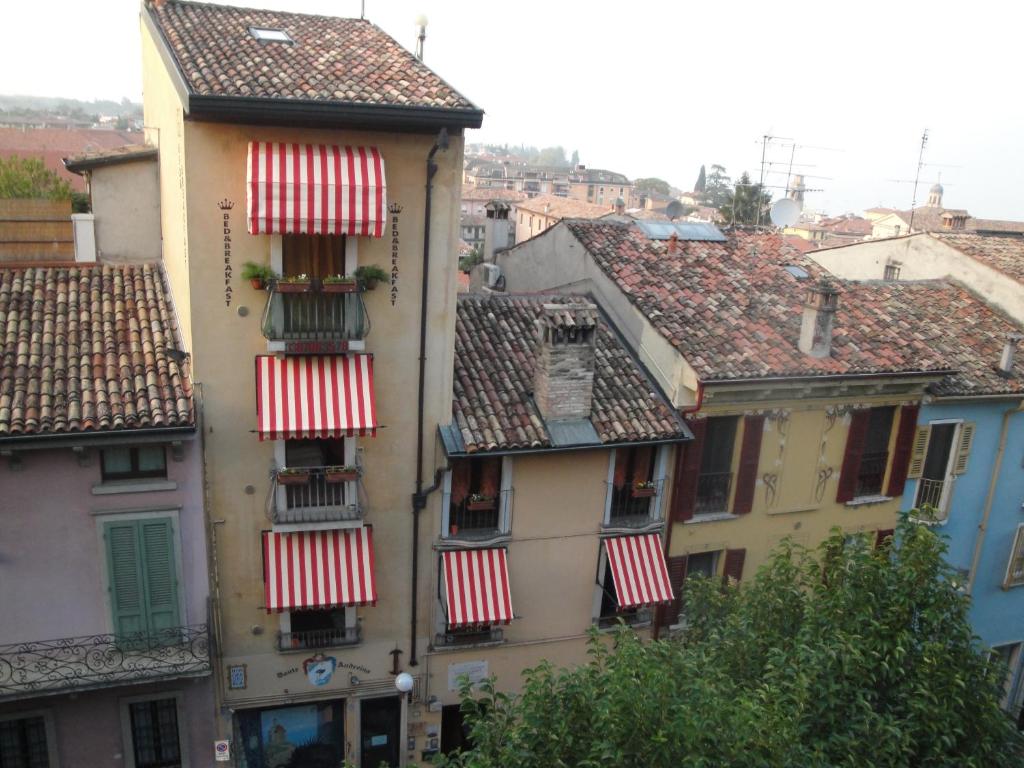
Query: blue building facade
x=968, y=463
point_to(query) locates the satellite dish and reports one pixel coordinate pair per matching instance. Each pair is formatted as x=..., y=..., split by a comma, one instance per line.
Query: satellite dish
x=674, y=210
x=785, y=212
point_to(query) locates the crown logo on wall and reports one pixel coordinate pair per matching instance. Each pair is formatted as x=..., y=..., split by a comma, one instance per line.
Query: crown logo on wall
x=395, y=208
x=225, y=205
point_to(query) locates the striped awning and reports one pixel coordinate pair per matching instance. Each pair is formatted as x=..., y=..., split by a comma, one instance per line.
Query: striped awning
x=318, y=569
x=638, y=570
x=476, y=587
x=320, y=396
x=315, y=189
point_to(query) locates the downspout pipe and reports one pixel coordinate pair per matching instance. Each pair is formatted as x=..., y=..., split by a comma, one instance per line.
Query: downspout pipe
x=419, y=496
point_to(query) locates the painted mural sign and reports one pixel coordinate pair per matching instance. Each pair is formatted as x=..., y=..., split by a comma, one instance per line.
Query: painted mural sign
x=394, y=209
x=319, y=669
x=225, y=206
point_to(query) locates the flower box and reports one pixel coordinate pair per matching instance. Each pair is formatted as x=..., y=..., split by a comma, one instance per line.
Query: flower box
x=341, y=475
x=644, y=492
x=352, y=287
x=481, y=505
x=292, y=287
x=293, y=478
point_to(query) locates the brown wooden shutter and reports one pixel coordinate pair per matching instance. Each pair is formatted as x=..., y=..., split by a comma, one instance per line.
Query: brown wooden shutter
x=643, y=459
x=919, y=451
x=684, y=495
x=460, y=480
x=733, y=570
x=750, y=455
x=964, y=447
x=904, y=447
x=855, y=440
x=490, y=476
x=621, y=467
x=883, y=537
x=669, y=614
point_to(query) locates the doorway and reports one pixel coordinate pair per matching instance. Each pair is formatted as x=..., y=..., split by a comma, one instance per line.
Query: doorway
x=380, y=731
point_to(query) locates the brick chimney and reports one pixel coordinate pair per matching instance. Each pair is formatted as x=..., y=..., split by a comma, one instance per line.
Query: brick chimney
x=563, y=384
x=1009, y=352
x=820, y=305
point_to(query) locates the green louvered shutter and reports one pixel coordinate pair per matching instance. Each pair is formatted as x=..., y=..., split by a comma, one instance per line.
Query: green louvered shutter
x=156, y=540
x=124, y=561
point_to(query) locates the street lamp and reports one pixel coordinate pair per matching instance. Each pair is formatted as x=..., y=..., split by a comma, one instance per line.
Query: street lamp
x=404, y=682
x=421, y=22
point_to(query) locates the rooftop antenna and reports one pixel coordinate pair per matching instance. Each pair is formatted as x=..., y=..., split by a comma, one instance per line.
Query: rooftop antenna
x=917, y=177
x=421, y=22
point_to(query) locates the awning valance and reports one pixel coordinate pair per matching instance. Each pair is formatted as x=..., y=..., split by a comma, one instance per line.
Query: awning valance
x=476, y=587
x=638, y=570
x=321, y=396
x=318, y=569
x=315, y=189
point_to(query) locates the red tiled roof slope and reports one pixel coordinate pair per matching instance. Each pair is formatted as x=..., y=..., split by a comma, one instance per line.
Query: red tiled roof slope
x=1003, y=253
x=84, y=349
x=495, y=352
x=332, y=59
x=52, y=145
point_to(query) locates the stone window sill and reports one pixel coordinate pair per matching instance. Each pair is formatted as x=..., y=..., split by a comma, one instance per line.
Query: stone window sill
x=862, y=501
x=794, y=510
x=133, y=486
x=712, y=517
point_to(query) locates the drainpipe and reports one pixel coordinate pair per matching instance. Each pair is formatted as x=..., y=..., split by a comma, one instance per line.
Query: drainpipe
x=979, y=541
x=419, y=497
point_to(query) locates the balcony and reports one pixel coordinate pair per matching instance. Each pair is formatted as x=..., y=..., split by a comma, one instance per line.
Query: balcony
x=930, y=492
x=631, y=505
x=469, y=636
x=74, y=664
x=713, y=492
x=477, y=518
x=315, y=318
x=315, y=495
x=319, y=638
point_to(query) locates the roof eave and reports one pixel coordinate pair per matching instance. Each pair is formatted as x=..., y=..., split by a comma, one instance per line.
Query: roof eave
x=832, y=377
x=32, y=441
x=83, y=164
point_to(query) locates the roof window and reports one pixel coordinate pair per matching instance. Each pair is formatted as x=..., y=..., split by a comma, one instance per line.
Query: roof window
x=798, y=272
x=265, y=35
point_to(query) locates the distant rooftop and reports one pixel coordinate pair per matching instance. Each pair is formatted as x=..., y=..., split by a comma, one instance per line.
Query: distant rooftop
x=563, y=207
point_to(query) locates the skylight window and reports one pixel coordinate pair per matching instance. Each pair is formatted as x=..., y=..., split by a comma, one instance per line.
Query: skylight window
x=270, y=35
x=798, y=272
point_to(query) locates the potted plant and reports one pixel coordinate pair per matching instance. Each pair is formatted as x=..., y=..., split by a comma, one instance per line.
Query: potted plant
x=370, y=275
x=296, y=476
x=293, y=284
x=644, y=489
x=340, y=284
x=478, y=502
x=257, y=274
x=341, y=474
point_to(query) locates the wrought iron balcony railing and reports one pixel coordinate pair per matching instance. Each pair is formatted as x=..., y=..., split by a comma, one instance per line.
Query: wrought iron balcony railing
x=319, y=638
x=631, y=506
x=98, y=661
x=314, y=316
x=713, y=492
x=478, y=519
x=314, y=495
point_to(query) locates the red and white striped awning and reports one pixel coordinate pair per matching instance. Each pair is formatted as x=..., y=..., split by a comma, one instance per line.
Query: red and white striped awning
x=318, y=569
x=321, y=396
x=315, y=189
x=476, y=587
x=638, y=570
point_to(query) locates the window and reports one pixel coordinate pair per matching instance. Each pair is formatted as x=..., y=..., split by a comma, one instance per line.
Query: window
x=1015, y=568
x=317, y=256
x=715, y=478
x=1008, y=656
x=308, y=734
x=896, y=230
x=265, y=35
x=637, y=476
x=143, y=580
x=892, y=272
x=328, y=628
x=154, y=728
x=478, y=492
x=875, y=456
x=702, y=564
x=23, y=743
x=610, y=612
x=133, y=463
x=940, y=452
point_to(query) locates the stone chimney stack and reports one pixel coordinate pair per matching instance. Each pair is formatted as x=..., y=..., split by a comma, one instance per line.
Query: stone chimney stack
x=563, y=385
x=1009, y=352
x=496, y=229
x=820, y=306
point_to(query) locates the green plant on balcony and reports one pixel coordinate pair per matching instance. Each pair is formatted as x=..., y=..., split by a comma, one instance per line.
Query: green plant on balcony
x=340, y=284
x=479, y=502
x=258, y=275
x=370, y=275
x=294, y=283
x=341, y=474
x=644, y=489
x=293, y=476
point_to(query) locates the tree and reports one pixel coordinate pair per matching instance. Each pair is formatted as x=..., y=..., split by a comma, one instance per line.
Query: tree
x=848, y=655
x=701, y=185
x=741, y=205
x=28, y=177
x=717, y=186
x=652, y=184
x=575, y=161
x=552, y=156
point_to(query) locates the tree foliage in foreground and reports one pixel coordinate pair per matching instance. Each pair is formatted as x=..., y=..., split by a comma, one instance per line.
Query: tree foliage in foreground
x=841, y=656
x=741, y=205
x=28, y=177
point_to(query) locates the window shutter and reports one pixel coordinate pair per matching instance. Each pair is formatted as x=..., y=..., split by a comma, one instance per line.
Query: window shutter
x=964, y=447
x=490, y=476
x=883, y=537
x=855, y=439
x=621, y=467
x=669, y=614
x=902, y=453
x=124, y=564
x=460, y=480
x=157, y=544
x=643, y=460
x=918, y=451
x=684, y=496
x=733, y=570
x=750, y=455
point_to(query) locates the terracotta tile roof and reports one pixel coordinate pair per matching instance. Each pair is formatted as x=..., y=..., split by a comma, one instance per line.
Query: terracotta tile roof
x=997, y=226
x=563, y=207
x=1004, y=253
x=331, y=60
x=733, y=311
x=52, y=145
x=83, y=349
x=495, y=351
x=475, y=194
x=126, y=154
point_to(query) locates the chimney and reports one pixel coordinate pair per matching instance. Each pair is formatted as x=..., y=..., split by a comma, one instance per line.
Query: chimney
x=1009, y=352
x=563, y=384
x=673, y=243
x=820, y=306
x=620, y=206
x=496, y=229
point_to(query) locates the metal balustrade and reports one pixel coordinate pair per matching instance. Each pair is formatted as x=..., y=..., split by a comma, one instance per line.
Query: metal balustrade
x=315, y=315
x=929, y=492
x=872, y=471
x=631, y=506
x=713, y=492
x=314, y=500
x=319, y=638
x=477, y=519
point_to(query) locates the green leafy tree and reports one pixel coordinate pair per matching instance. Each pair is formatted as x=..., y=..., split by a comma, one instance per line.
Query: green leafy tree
x=717, y=186
x=741, y=205
x=28, y=177
x=702, y=181
x=652, y=184
x=575, y=160
x=471, y=259
x=552, y=156
x=847, y=655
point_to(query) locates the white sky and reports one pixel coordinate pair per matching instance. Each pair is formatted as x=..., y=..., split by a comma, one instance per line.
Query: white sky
x=657, y=88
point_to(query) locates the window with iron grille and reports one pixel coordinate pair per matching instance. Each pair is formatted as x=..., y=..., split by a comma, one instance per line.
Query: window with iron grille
x=715, y=479
x=476, y=497
x=23, y=743
x=892, y=272
x=875, y=457
x=155, y=739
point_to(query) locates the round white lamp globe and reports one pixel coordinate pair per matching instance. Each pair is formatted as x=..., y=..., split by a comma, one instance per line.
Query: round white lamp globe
x=404, y=682
x=421, y=20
